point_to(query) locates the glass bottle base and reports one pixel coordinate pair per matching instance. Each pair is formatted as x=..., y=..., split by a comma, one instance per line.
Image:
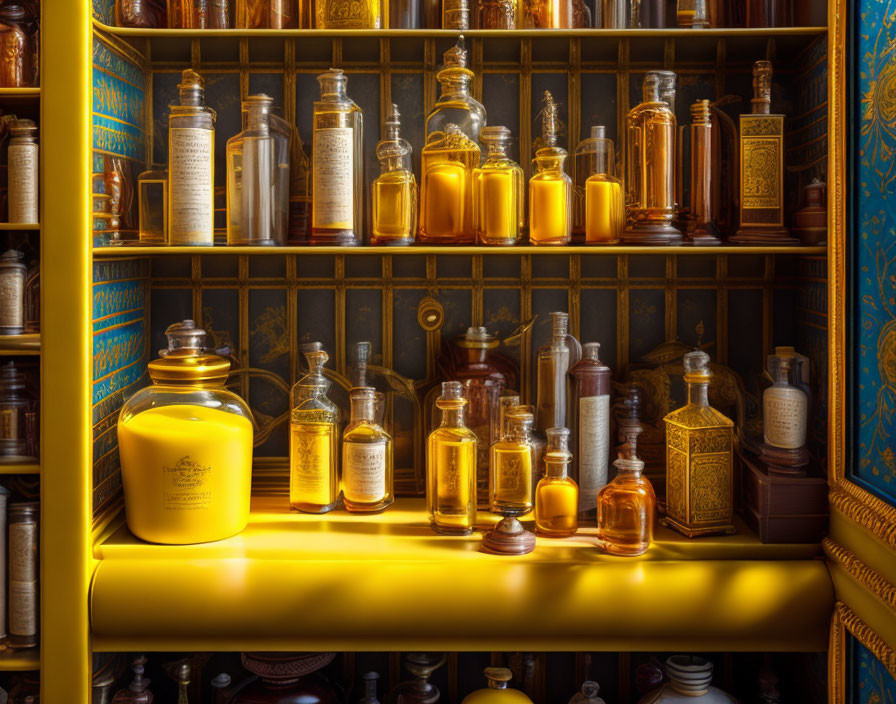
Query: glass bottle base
x=312, y=508
x=386, y=241
x=549, y=242
x=423, y=238
x=333, y=238
x=450, y=530
x=623, y=550
x=244, y=242
x=542, y=533
x=377, y=507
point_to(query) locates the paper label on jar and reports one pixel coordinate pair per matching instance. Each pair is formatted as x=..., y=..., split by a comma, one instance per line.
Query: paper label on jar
x=784, y=418
x=594, y=447
x=23, y=552
x=364, y=471
x=22, y=608
x=191, y=186
x=333, y=171
x=312, y=475
x=185, y=485
x=23, y=183
x=12, y=289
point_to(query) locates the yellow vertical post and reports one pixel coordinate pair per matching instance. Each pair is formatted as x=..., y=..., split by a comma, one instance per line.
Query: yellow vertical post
x=66, y=350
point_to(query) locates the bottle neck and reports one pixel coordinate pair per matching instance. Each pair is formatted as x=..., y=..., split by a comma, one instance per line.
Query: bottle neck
x=258, y=120
x=455, y=83
x=363, y=410
x=783, y=375
x=192, y=96
x=556, y=467
x=452, y=416
x=698, y=393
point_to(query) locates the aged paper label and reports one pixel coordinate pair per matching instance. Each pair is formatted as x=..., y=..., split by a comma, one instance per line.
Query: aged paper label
x=191, y=186
x=333, y=171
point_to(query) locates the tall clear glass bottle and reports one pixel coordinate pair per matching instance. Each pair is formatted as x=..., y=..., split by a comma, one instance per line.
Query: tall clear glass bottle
x=366, y=457
x=557, y=494
x=455, y=105
x=338, y=169
x=313, y=441
x=599, y=196
x=191, y=166
x=446, y=194
x=512, y=466
x=348, y=14
x=554, y=361
x=550, y=188
x=451, y=466
x=394, y=192
x=497, y=191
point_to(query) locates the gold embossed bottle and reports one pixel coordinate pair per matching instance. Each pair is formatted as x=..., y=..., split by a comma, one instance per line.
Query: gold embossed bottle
x=497, y=191
x=348, y=14
x=313, y=441
x=512, y=465
x=446, y=194
x=366, y=457
x=394, y=192
x=550, y=188
x=451, y=466
x=557, y=494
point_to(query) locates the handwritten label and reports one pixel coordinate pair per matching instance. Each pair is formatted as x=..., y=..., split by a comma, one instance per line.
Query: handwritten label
x=594, y=446
x=333, y=170
x=364, y=471
x=191, y=186
x=23, y=183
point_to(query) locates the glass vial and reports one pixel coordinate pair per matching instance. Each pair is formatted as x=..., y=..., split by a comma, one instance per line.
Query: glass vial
x=497, y=191
x=191, y=166
x=550, y=188
x=692, y=14
x=785, y=405
x=313, y=441
x=188, y=14
x=451, y=466
x=599, y=197
x=366, y=457
x=455, y=105
x=554, y=361
x=701, y=230
x=142, y=14
x=394, y=192
x=446, y=195
x=152, y=206
x=591, y=420
x=348, y=14
x=24, y=571
x=22, y=162
x=512, y=464
x=12, y=293
x=337, y=171
x=557, y=495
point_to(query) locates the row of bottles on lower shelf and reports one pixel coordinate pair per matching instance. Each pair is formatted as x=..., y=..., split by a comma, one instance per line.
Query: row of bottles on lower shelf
x=186, y=447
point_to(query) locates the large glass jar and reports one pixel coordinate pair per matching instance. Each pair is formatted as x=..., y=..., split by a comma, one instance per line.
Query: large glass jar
x=186, y=447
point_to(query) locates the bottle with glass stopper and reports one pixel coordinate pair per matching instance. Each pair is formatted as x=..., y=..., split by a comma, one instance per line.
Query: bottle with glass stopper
x=394, y=196
x=338, y=169
x=313, y=441
x=497, y=191
x=554, y=361
x=785, y=409
x=455, y=104
x=451, y=466
x=360, y=380
x=366, y=457
x=550, y=187
x=191, y=166
x=701, y=231
x=557, y=494
x=600, y=210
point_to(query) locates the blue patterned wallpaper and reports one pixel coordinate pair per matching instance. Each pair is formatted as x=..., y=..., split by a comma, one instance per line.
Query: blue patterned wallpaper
x=104, y=11
x=872, y=683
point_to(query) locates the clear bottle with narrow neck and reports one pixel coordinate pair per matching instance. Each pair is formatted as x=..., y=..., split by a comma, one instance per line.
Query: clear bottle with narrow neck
x=446, y=195
x=602, y=207
x=550, y=187
x=338, y=169
x=360, y=379
x=554, y=361
x=497, y=191
x=313, y=441
x=557, y=494
x=191, y=166
x=455, y=104
x=784, y=405
x=253, y=207
x=394, y=192
x=512, y=466
x=451, y=466
x=366, y=457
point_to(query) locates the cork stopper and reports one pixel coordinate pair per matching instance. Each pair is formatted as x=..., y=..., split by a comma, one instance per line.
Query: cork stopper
x=598, y=132
x=332, y=84
x=762, y=87
x=498, y=677
x=191, y=88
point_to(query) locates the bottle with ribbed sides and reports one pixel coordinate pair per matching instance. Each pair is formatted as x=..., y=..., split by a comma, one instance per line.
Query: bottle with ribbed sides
x=191, y=166
x=451, y=466
x=550, y=188
x=557, y=494
x=497, y=191
x=313, y=441
x=446, y=198
x=366, y=457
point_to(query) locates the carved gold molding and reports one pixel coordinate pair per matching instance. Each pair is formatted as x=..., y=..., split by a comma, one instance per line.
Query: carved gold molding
x=837, y=661
x=865, y=509
x=862, y=632
x=862, y=573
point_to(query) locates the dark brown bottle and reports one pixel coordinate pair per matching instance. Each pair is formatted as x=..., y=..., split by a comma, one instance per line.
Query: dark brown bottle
x=145, y=14
x=17, y=59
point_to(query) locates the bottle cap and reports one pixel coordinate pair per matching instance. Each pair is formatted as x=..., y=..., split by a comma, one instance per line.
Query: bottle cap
x=498, y=674
x=477, y=338
x=184, y=362
x=696, y=366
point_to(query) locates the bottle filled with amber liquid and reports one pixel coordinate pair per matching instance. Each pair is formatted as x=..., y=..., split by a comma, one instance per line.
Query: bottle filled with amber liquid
x=446, y=198
x=550, y=187
x=313, y=441
x=366, y=457
x=348, y=14
x=451, y=466
x=557, y=494
x=497, y=191
x=394, y=192
x=701, y=230
x=337, y=171
x=600, y=208
x=554, y=361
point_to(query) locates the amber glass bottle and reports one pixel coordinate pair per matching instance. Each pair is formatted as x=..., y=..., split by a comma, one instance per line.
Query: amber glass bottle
x=557, y=495
x=497, y=191
x=550, y=188
x=394, y=192
x=366, y=457
x=446, y=203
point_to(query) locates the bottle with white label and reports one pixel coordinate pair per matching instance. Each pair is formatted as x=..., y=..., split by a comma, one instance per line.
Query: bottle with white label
x=191, y=166
x=366, y=457
x=785, y=407
x=337, y=170
x=590, y=408
x=22, y=162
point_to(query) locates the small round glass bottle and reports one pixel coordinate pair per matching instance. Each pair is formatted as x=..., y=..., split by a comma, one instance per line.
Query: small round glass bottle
x=557, y=494
x=366, y=457
x=313, y=441
x=497, y=191
x=394, y=192
x=602, y=192
x=550, y=188
x=626, y=508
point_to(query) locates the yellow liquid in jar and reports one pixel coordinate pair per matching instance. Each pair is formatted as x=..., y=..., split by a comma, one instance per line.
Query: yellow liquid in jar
x=497, y=209
x=512, y=479
x=446, y=192
x=601, y=210
x=187, y=473
x=548, y=211
x=313, y=478
x=556, y=504
x=451, y=464
x=393, y=217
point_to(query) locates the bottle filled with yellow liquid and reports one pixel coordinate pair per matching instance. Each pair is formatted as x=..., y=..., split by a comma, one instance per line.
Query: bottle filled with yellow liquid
x=557, y=494
x=550, y=188
x=451, y=466
x=497, y=191
x=446, y=198
x=394, y=197
x=186, y=447
x=366, y=457
x=600, y=202
x=512, y=463
x=313, y=441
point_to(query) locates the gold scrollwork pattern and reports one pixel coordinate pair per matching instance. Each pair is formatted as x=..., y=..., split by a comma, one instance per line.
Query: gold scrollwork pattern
x=868, y=511
x=862, y=573
x=863, y=633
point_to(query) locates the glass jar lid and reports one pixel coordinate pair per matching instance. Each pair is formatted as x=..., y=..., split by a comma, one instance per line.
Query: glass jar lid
x=185, y=362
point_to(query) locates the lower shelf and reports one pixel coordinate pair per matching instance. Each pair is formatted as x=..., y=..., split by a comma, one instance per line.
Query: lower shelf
x=25, y=660
x=386, y=582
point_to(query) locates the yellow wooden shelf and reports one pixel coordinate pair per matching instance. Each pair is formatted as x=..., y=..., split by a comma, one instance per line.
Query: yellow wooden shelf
x=341, y=582
x=18, y=226
x=20, y=660
x=15, y=345
x=25, y=467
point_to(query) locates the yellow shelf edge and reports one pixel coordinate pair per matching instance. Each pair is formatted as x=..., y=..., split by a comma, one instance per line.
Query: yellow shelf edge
x=20, y=92
x=25, y=660
x=19, y=225
x=20, y=468
x=24, y=344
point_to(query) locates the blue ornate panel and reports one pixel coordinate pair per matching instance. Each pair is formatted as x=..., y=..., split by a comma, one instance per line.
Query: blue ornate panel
x=872, y=683
x=104, y=11
x=874, y=254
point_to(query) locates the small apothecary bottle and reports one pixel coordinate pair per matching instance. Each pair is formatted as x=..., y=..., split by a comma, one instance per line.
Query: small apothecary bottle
x=257, y=200
x=590, y=408
x=337, y=170
x=16, y=403
x=394, y=192
x=366, y=457
x=785, y=411
x=588, y=694
x=446, y=196
x=313, y=441
x=557, y=494
x=550, y=187
x=24, y=573
x=497, y=191
x=451, y=466
x=512, y=466
x=498, y=691
x=348, y=14
x=191, y=166
x=701, y=231
x=137, y=691
x=186, y=447
x=12, y=293
x=699, y=471
x=152, y=196
x=599, y=193
x=553, y=363
x=22, y=161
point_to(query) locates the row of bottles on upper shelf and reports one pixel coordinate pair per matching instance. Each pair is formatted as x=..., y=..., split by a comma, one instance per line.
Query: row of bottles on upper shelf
x=19, y=43
x=186, y=447
x=456, y=14
x=471, y=194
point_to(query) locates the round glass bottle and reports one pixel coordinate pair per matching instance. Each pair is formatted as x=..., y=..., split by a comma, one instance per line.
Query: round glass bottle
x=366, y=457
x=497, y=691
x=557, y=494
x=186, y=447
x=497, y=191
